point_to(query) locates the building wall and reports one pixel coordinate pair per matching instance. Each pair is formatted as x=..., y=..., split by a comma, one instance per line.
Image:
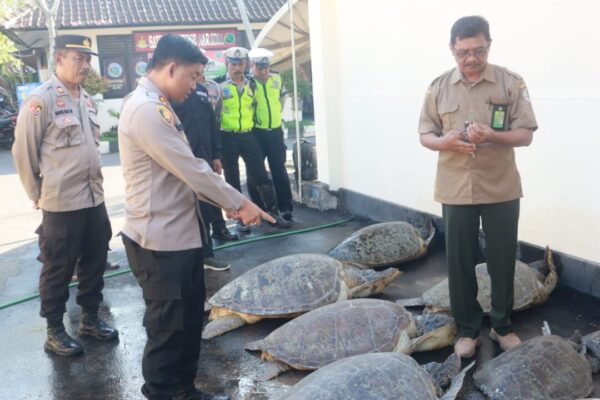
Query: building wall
x=372, y=66
x=107, y=121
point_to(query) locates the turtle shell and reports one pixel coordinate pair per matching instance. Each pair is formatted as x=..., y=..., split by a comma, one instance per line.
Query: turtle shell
x=376, y=376
x=339, y=330
x=379, y=245
x=526, y=289
x=286, y=285
x=542, y=368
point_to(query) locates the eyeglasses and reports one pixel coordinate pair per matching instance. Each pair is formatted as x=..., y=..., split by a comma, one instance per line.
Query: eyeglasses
x=477, y=53
x=79, y=60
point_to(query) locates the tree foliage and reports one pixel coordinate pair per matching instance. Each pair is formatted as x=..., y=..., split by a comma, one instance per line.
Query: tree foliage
x=12, y=70
x=95, y=83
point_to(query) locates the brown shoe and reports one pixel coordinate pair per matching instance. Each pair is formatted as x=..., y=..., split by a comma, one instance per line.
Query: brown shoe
x=465, y=347
x=507, y=341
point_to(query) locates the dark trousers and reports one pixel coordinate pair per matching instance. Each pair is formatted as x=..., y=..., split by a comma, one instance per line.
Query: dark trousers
x=273, y=148
x=172, y=284
x=500, y=224
x=65, y=238
x=212, y=217
x=236, y=145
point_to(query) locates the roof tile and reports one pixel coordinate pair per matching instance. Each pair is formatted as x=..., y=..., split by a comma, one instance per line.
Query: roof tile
x=105, y=13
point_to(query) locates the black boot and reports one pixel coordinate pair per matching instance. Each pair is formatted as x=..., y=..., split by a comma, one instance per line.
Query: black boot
x=91, y=325
x=59, y=342
x=268, y=197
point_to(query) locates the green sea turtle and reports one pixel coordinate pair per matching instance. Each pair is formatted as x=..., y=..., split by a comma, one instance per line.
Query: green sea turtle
x=289, y=286
x=380, y=376
x=384, y=244
x=542, y=368
x=347, y=328
x=531, y=287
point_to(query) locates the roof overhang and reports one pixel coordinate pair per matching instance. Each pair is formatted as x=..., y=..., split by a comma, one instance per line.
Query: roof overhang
x=276, y=35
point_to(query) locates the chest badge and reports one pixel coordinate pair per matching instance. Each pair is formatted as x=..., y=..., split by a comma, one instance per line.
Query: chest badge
x=60, y=103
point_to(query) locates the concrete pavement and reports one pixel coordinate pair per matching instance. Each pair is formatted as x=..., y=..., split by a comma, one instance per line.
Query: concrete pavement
x=112, y=371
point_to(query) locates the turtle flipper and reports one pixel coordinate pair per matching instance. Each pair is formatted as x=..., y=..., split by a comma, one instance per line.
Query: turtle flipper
x=457, y=383
x=271, y=369
x=552, y=277
x=414, y=302
x=222, y=325
x=254, y=346
x=439, y=331
x=369, y=281
x=442, y=373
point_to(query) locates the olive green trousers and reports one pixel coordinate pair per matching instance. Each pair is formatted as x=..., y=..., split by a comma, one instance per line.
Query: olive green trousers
x=499, y=222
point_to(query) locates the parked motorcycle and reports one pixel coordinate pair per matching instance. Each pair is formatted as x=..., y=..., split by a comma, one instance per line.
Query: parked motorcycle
x=8, y=119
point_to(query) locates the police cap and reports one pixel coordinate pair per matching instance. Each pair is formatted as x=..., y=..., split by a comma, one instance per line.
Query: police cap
x=261, y=57
x=236, y=55
x=80, y=43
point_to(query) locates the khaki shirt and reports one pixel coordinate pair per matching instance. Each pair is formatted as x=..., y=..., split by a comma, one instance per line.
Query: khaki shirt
x=163, y=179
x=491, y=176
x=56, y=150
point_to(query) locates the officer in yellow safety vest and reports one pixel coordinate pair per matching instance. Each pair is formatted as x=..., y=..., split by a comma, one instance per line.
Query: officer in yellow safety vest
x=268, y=96
x=237, y=122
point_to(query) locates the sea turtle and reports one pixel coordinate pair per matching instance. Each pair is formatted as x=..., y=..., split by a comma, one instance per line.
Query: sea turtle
x=542, y=368
x=384, y=244
x=380, y=376
x=592, y=350
x=289, y=286
x=530, y=287
x=347, y=328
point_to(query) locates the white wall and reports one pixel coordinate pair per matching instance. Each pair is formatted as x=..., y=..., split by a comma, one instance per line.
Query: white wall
x=381, y=59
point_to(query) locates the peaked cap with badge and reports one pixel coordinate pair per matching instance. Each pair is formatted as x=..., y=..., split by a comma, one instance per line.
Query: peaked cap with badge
x=261, y=57
x=236, y=55
x=80, y=43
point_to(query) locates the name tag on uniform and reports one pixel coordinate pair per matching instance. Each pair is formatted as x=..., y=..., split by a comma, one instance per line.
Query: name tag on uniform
x=63, y=111
x=499, y=117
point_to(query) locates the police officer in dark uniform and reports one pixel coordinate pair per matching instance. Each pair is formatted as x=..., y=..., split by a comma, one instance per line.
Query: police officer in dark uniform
x=57, y=158
x=200, y=126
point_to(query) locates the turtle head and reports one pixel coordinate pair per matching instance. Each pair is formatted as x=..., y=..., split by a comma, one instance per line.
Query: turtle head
x=591, y=348
x=367, y=282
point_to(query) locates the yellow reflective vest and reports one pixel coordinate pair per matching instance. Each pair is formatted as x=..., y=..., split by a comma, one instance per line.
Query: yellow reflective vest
x=237, y=112
x=268, y=104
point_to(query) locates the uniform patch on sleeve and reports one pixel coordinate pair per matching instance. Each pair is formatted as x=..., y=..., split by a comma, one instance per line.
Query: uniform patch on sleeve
x=35, y=107
x=428, y=92
x=166, y=114
x=524, y=92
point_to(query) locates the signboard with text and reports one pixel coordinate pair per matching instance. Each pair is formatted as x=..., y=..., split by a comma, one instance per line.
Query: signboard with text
x=145, y=42
x=24, y=90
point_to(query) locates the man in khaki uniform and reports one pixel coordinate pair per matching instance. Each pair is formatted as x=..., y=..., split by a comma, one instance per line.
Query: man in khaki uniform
x=163, y=227
x=474, y=115
x=56, y=156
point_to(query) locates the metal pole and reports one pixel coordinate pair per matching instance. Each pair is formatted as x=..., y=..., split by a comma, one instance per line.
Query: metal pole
x=295, y=99
x=50, y=11
x=246, y=21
